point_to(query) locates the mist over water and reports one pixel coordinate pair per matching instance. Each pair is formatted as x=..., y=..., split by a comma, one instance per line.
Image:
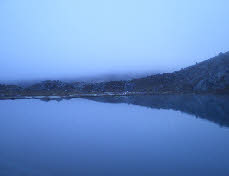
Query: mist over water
x=70, y=39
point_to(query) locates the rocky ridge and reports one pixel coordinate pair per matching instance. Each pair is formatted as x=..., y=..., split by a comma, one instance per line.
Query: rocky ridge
x=209, y=76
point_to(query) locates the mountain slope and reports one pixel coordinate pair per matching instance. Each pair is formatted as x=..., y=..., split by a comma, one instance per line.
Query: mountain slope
x=211, y=75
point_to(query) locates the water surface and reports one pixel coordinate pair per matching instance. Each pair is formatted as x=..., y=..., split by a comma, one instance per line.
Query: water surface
x=85, y=137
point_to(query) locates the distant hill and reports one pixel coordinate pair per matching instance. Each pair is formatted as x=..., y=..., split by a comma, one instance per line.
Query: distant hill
x=210, y=76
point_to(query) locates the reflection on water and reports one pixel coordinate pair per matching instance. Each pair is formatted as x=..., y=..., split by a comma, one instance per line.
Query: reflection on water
x=214, y=108
x=89, y=138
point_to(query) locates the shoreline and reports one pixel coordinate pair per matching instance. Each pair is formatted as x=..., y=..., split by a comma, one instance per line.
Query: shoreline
x=107, y=94
x=55, y=97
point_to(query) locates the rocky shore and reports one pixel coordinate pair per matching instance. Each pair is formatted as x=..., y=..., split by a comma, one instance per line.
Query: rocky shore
x=80, y=95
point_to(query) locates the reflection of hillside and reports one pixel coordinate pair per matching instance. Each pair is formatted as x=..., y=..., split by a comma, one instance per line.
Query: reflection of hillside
x=214, y=108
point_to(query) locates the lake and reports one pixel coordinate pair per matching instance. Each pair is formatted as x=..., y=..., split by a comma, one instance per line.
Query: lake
x=116, y=136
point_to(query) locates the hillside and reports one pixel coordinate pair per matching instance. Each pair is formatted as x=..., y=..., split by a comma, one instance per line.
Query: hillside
x=210, y=76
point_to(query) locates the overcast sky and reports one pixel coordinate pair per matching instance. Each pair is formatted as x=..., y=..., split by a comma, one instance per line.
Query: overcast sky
x=71, y=38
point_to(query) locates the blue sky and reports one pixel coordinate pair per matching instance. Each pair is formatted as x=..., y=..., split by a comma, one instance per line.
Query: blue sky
x=42, y=39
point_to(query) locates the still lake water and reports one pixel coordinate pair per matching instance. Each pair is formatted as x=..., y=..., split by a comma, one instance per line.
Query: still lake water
x=115, y=137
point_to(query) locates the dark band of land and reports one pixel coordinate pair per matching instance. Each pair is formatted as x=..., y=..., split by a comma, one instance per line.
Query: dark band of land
x=210, y=76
